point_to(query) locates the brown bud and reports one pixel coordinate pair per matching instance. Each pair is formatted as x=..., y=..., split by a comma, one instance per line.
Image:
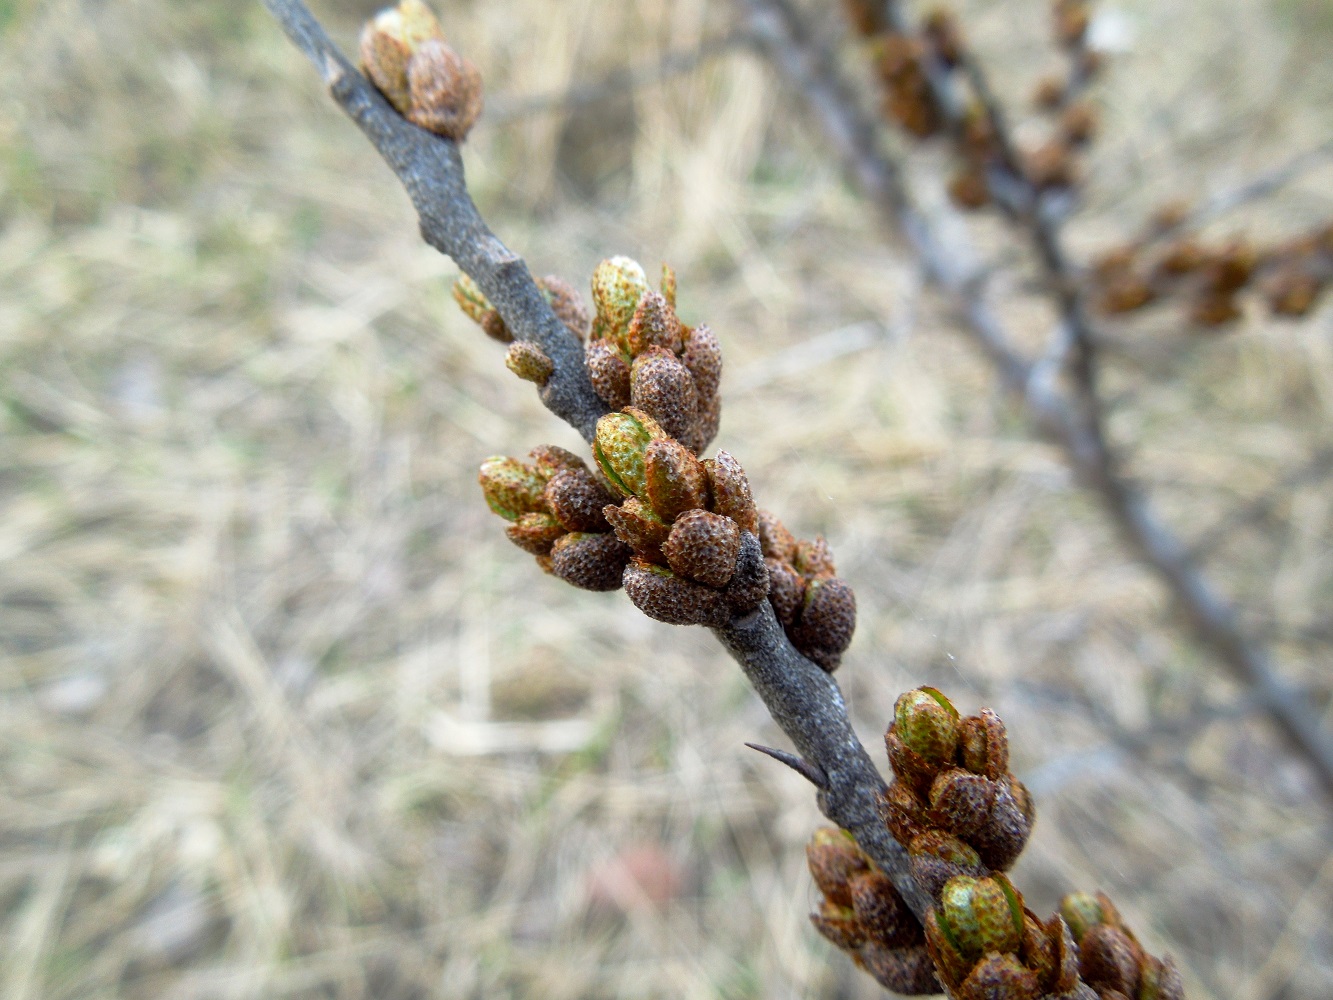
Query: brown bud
x=730, y=490
x=445, y=90
x=654, y=325
x=609, y=372
x=1214, y=310
x=867, y=16
x=749, y=583
x=1001, y=839
x=776, y=540
x=813, y=559
x=529, y=362
x=786, y=590
x=1049, y=93
x=662, y=595
x=636, y=524
x=703, y=357
x=566, y=303
x=960, y=801
x=479, y=309
x=968, y=188
x=981, y=915
x=881, y=912
x=1293, y=291
x=999, y=976
x=617, y=285
x=1071, y=22
x=1109, y=957
x=1051, y=166
x=662, y=387
x=703, y=547
x=676, y=480
x=1160, y=980
x=1231, y=268
x=903, y=813
x=535, y=533
x=590, y=561
x=1079, y=122
x=1169, y=215
x=1124, y=293
x=549, y=459
x=936, y=857
x=984, y=744
x=838, y=924
x=388, y=43
x=576, y=498
x=905, y=971
x=827, y=621
x=833, y=858
x=706, y=425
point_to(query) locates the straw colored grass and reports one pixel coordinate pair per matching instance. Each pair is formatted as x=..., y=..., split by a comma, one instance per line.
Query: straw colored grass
x=284, y=714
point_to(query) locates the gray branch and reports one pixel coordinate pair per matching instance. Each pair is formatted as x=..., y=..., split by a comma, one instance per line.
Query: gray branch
x=1068, y=422
x=804, y=700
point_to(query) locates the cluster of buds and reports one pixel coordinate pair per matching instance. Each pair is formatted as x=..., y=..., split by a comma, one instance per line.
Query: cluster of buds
x=555, y=505
x=1290, y=276
x=524, y=358
x=908, y=97
x=690, y=524
x=640, y=354
x=1111, y=960
x=953, y=803
x=404, y=53
x=862, y=913
x=986, y=945
x=817, y=610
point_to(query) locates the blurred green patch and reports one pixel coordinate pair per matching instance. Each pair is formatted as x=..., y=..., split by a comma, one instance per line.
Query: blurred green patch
x=1306, y=15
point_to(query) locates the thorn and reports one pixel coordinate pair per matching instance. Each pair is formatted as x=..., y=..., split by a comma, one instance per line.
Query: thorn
x=812, y=773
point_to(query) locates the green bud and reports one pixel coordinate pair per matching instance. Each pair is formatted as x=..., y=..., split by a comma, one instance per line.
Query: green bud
x=1082, y=911
x=529, y=362
x=510, y=487
x=927, y=723
x=617, y=285
x=388, y=43
x=980, y=915
x=619, y=449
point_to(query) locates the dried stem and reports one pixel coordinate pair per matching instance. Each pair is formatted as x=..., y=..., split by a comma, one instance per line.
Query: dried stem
x=804, y=700
x=1071, y=420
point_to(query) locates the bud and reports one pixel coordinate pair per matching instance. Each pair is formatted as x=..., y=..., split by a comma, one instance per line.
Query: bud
x=619, y=449
x=1083, y=911
x=1212, y=309
x=838, y=924
x=980, y=915
x=534, y=533
x=813, y=559
x=834, y=858
x=968, y=188
x=1049, y=93
x=664, y=389
x=902, y=813
x=1293, y=291
x=1231, y=269
x=529, y=362
x=566, y=303
x=881, y=912
x=1079, y=122
x=510, y=487
x=927, y=723
x=660, y=594
x=388, y=43
x=550, y=459
x=576, y=499
x=445, y=90
x=676, y=481
x=706, y=425
x=590, y=561
x=905, y=971
x=654, y=325
x=961, y=802
x=479, y=309
x=827, y=621
x=1109, y=958
x=703, y=357
x=609, y=372
x=1160, y=980
x=749, y=583
x=786, y=590
x=945, y=36
x=1050, y=165
x=669, y=285
x=703, y=547
x=639, y=527
x=1001, y=839
x=617, y=285
x=937, y=856
x=984, y=745
x=1000, y=976
x=730, y=491
x=1071, y=22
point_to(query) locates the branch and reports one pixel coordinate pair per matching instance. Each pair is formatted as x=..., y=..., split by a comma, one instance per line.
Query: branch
x=431, y=170
x=805, y=701
x=948, y=266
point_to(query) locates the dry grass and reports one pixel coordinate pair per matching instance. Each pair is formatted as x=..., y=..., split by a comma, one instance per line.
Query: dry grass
x=283, y=713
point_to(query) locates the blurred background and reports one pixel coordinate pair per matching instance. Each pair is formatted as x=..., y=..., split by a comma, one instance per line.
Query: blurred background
x=282, y=713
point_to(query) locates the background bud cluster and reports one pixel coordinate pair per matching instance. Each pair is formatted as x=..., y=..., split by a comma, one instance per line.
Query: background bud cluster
x=815, y=607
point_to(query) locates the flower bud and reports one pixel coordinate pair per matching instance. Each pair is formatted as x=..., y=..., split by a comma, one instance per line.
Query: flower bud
x=660, y=594
x=510, y=487
x=529, y=362
x=676, y=481
x=654, y=325
x=619, y=449
x=576, y=498
x=838, y=924
x=535, y=533
x=566, y=303
x=479, y=309
x=590, y=561
x=388, y=43
x=827, y=621
x=1083, y=911
x=786, y=590
x=445, y=90
x=1000, y=976
x=703, y=547
x=730, y=491
x=550, y=459
x=1001, y=839
x=703, y=357
x=902, y=813
x=777, y=542
x=980, y=915
x=609, y=372
x=617, y=285
x=984, y=745
x=706, y=424
x=664, y=389
x=749, y=583
x=834, y=858
x=881, y=912
x=638, y=526
x=1109, y=958
x=813, y=559
x=905, y=971
x=1160, y=980
x=927, y=723
x=960, y=801
x=937, y=856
